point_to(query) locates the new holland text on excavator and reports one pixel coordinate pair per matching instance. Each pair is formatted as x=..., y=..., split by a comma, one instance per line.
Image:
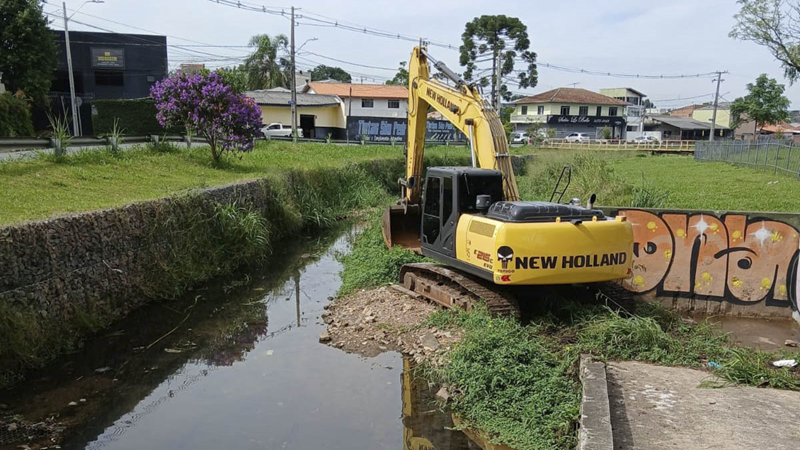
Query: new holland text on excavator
x=473, y=220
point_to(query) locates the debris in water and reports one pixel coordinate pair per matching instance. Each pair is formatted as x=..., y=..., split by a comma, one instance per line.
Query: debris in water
x=442, y=394
x=785, y=363
x=270, y=352
x=790, y=343
x=714, y=365
x=172, y=350
x=73, y=404
x=83, y=400
x=12, y=427
x=102, y=369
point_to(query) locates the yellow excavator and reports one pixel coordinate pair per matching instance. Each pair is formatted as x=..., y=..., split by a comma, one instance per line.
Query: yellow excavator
x=472, y=219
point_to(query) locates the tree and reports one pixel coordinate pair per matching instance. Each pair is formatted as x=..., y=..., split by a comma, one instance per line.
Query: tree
x=401, y=77
x=268, y=67
x=488, y=37
x=775, y=24
x=648, y=104
x=27, y=50
x=205, y=105
x=235, y=77
x=323, y=72
x=764, y=104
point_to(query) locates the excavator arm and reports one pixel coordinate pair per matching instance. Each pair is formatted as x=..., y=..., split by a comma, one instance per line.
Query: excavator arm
x=462, y=106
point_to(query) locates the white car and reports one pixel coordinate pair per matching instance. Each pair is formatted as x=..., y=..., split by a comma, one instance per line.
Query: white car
x=644, y=140
x=577, y=137
x=519, y=138
x=280, y=130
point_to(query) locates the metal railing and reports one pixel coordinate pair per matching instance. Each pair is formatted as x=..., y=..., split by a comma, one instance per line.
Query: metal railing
x=666, y=146
x=772, y=156
x=21, y=144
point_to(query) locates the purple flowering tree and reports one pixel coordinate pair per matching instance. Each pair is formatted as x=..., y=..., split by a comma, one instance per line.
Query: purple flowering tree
x=208, y=107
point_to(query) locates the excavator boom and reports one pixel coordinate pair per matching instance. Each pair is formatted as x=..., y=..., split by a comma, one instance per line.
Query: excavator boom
x=462, y=106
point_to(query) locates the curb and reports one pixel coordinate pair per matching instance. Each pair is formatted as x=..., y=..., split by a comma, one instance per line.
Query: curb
x=595, y=421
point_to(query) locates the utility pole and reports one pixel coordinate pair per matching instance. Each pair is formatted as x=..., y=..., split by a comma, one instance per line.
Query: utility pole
x=498, y=81
x=716, y=102
x=75, y=122
x=293, y=88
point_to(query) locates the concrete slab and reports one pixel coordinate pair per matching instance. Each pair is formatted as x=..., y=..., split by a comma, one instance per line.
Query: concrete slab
x=595, y=421
x=654, y=407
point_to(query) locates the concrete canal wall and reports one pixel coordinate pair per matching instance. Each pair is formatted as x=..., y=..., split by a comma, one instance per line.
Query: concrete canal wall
x=716, y=262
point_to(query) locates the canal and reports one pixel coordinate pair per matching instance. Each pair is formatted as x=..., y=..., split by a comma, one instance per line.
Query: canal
x=235, y=363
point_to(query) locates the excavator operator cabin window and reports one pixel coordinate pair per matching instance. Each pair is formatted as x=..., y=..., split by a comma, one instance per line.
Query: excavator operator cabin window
x=431, y=220
x=447, y=199
x=367, y=103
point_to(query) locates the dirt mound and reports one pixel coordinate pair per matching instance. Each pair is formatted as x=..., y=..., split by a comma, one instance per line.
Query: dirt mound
x=371, y=322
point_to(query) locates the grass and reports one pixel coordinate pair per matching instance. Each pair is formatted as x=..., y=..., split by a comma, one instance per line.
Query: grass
x=629, y=179
x=96, y=179
x=519, y=382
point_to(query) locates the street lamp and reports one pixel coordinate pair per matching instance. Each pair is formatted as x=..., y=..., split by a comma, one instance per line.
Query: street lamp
x=304, y=44
x=76, y=128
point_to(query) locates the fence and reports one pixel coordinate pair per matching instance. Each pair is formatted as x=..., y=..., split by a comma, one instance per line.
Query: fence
x=772, y=156
x=12, y=145
x=665, y=146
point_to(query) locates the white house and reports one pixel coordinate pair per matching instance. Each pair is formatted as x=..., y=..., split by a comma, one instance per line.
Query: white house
x=365, y=100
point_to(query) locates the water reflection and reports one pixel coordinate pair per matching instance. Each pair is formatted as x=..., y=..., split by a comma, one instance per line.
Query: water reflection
x=237, y=363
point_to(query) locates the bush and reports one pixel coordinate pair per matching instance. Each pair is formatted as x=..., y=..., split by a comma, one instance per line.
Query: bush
x=15, y=117
x=136, y=116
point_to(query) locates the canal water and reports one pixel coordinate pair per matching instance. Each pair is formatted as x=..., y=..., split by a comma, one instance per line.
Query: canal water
x=237, y=364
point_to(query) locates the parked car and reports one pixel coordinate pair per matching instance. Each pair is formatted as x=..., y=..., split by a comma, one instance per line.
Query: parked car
x=280, y=130
x=645, y=140
x=577, y=137
x=519, y=138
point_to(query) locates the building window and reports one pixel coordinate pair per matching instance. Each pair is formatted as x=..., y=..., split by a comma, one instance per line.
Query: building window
x=565, y=110
x=612, y=111
x=583, y=111
x=524, y=110
x=540, y=110
x=599, y=111
x=367, y=103
x=393, y=104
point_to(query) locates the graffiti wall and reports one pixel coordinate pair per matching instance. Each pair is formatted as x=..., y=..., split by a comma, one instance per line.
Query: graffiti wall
x=742, y=263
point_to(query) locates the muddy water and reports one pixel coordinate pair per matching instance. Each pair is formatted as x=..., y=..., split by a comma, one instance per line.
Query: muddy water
x=237, y=364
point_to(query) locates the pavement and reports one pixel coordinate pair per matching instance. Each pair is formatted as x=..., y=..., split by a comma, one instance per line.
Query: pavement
x=655, y=407
x=32, y=153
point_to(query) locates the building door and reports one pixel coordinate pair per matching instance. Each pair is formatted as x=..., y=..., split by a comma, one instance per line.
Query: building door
x=307, y=124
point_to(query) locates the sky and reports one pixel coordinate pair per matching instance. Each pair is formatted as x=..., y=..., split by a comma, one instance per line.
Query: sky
x=618, y=36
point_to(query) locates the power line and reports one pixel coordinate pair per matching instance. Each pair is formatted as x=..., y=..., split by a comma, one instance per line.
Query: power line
x=349, y=62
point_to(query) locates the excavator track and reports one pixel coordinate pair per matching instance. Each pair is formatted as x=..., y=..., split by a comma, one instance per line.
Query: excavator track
x=454, y=289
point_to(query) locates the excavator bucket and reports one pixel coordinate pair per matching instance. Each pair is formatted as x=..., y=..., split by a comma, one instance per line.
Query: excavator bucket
x=401, y=226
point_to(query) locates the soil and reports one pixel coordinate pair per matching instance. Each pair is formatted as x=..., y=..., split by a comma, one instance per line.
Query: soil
x=374, y=321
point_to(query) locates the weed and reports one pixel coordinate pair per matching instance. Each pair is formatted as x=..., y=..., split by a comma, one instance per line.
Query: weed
x=648, y=195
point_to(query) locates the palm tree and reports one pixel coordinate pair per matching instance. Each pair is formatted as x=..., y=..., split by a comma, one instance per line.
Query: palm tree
x=265, y=68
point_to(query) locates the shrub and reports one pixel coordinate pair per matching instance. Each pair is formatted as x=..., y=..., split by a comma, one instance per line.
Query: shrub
x=15, y=117
x=137, y=116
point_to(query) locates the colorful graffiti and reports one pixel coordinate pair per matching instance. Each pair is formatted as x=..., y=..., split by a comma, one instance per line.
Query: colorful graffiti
x=732, y=258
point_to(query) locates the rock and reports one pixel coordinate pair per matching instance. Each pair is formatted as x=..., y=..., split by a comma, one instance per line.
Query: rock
x=83, y=400
x=330, y=299
x=790, y=343
x=382, y=347
x=442, y=394
x=429, y=342
x=327, y=319
x=12, y=427
x=359, y=328
x=327, y=306
x=324, y=337
x=73, y=404
x=339, y=345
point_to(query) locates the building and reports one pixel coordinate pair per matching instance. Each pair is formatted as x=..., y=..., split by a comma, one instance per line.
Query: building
x=682, y=128
x=634, y=112
x=571, y=110
x=317, y=115
x=376, y=112
x=705, y=113
x=105, y=66
x=365, y=100
x=191, y=69
x=685, y=111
